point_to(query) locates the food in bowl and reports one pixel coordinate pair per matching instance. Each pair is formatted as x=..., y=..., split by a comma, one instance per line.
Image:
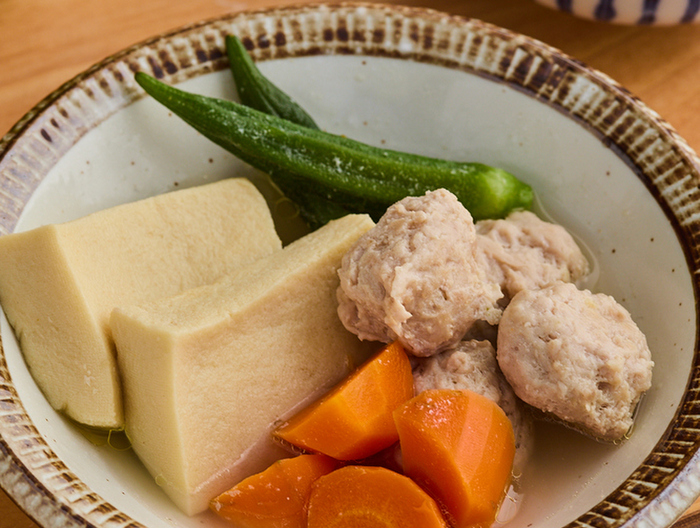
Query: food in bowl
x=187, y=361
x=580, y=181
x=577, y=355
x=416, y=277
x=207, y=373
x=60, y=282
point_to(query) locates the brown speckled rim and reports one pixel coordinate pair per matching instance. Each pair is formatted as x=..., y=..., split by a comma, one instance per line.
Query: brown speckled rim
x=655, y=494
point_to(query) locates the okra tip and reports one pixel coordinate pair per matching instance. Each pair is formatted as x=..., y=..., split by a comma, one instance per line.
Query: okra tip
x=145, y=81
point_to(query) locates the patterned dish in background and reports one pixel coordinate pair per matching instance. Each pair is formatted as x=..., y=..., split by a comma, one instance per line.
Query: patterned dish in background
x=602, y=163
x=631, y=12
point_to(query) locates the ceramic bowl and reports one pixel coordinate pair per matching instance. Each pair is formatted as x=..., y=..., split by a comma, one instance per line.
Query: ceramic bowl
x=631, y=12
x=602, y=164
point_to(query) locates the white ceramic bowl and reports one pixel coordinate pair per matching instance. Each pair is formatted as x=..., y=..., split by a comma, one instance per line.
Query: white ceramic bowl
x=631, y=12
x=601, y=163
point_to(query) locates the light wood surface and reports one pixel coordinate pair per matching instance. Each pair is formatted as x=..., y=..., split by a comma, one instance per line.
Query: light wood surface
x=44, y=43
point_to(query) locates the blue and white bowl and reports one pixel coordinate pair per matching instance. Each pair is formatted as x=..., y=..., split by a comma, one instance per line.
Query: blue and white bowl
x=631, y=12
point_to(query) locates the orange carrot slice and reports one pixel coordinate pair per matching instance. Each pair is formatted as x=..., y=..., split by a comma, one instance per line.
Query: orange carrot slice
x=354, y=420
x=276, y=497
x=459, y=446
x=371, y=497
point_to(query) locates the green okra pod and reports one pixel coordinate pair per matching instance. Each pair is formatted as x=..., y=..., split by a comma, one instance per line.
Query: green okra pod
x=349, y=176
x=257, y=91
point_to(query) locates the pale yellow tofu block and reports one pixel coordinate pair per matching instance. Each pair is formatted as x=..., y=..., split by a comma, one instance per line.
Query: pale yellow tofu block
x=207, y=373
x=59, y=283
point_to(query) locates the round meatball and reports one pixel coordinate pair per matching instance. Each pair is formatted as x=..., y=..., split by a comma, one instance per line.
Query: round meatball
x=576, y=355
x=414, y=277
x=523, y=252
x=471, y=365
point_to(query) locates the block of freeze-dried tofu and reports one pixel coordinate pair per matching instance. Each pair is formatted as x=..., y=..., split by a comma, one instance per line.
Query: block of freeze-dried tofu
x=59, y=283
x=208, y=372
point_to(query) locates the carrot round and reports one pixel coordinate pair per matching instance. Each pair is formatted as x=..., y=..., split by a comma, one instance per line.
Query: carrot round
x=276, y=497
x=459, y=446
x=354, y=420
x=371, y=497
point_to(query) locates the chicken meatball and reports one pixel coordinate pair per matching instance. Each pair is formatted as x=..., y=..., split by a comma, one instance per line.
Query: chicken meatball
x=576, y=355
x=523, y=252
x=471, y=365
x=414, y=277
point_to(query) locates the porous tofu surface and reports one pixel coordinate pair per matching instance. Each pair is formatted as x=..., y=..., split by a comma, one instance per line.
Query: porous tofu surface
x=59, y=283
x=208, y=373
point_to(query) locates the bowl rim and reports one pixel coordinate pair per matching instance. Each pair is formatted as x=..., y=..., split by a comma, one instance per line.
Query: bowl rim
x=638, y=135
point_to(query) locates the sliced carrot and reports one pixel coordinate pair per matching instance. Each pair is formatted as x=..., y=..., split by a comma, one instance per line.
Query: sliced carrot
x=276, y=497
x=371, y=497
x=354, y=420
x=459, y=446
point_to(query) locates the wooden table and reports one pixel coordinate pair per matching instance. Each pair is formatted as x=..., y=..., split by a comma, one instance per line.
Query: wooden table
x=45, y=43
